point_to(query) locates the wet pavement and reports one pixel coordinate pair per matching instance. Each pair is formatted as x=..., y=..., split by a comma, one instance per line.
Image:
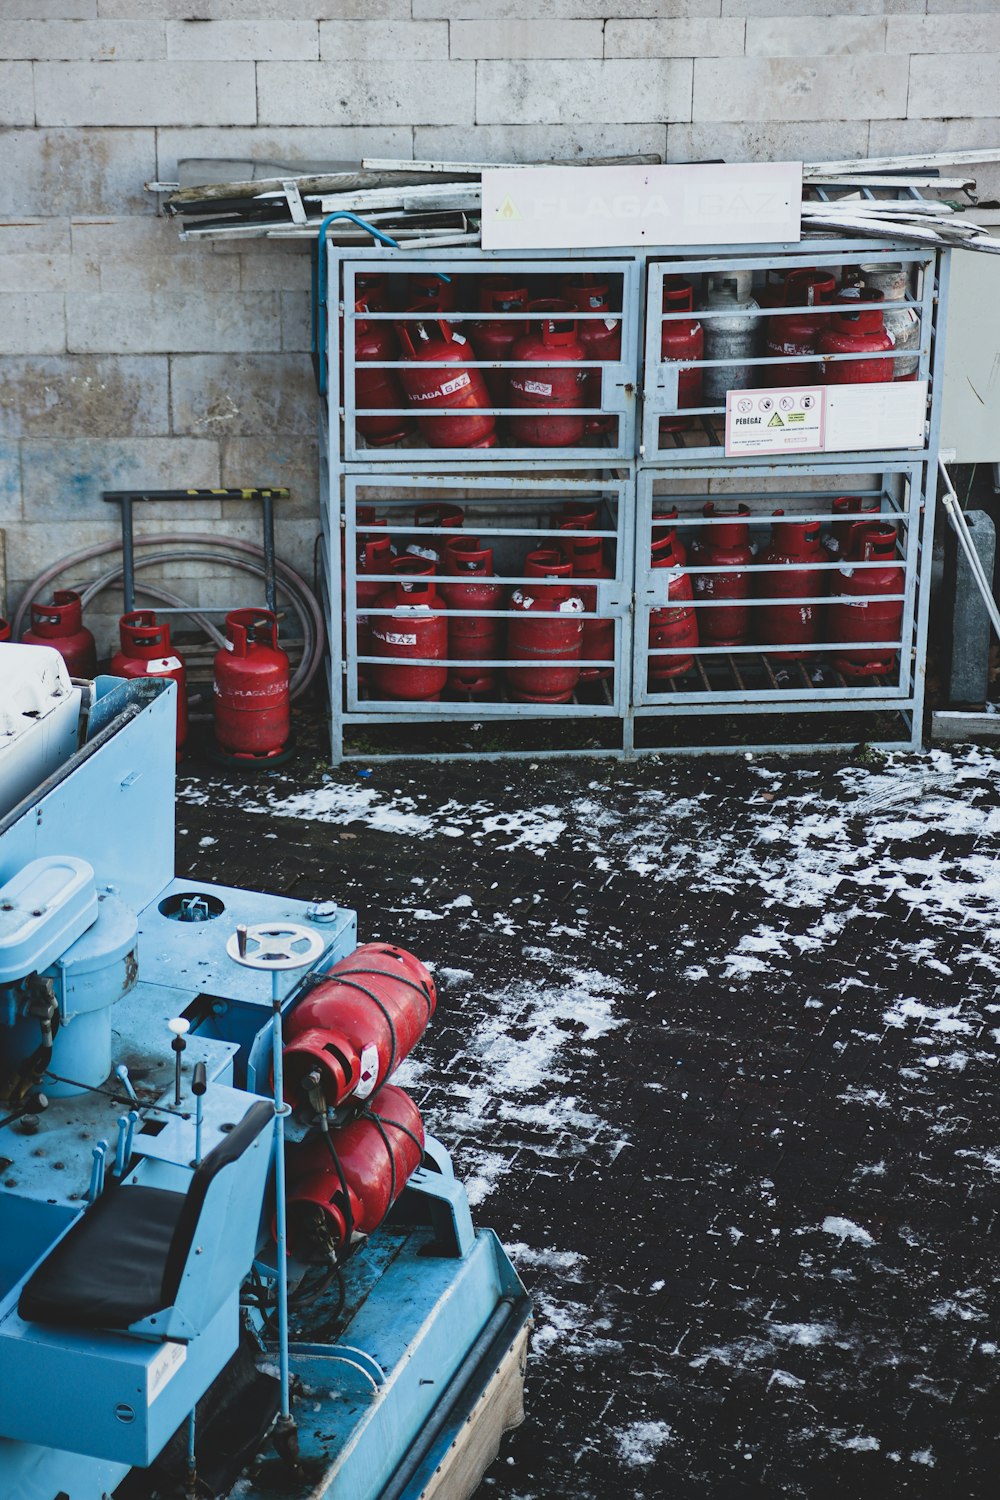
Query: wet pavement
x=716, y=1052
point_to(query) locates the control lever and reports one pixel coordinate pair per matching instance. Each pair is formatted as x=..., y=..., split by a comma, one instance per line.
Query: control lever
x=180, y=1026
x=121, y=1073
x=97, y=1172
x=199, y=1083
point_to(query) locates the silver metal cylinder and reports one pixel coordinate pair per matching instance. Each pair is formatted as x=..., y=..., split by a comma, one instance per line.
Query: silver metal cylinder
x=889, y=278
x=735, y=336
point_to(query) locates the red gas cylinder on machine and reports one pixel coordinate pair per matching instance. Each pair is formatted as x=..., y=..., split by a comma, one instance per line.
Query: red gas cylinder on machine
x=552, y=337
x=426, y=291
x=797, y=333
x=357, y=1024
x=586, y=556
x=673, y=626
x=681, y=339
x=553, y=646
x=664, y=528
x=442, y=522
x=725, y=544
x=377, y=387
x=451, y=386
x=60, y=624
x=855, y=331
x=599, y=338
x=478, y=635
x=494, y=338
x=146, y=652
x=797, y=548
x=850, y=512
x=251, y=706
x=371, y=1158
x=413, y=638
x=880, y=619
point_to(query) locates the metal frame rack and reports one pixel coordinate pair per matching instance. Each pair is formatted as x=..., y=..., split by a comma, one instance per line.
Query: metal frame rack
x=510, y=493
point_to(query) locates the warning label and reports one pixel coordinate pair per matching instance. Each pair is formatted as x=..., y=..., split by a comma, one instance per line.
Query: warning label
x=784, y=420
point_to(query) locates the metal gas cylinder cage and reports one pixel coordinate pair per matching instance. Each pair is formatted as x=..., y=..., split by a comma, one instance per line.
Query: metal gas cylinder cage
x=755, y=664
x=742, y=345
x=405, y=387
x=649, y=445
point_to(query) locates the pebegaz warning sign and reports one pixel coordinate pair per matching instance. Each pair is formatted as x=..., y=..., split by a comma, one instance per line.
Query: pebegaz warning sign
x=788, y=420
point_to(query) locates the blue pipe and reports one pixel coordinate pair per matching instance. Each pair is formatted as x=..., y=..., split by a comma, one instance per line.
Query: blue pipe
x=319, y=292
x=281, y=1109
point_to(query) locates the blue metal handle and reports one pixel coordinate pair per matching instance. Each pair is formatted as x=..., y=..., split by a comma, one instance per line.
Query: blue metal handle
x=319, y=280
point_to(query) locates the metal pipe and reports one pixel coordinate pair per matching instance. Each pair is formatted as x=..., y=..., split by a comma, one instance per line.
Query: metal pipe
x=281, y=1109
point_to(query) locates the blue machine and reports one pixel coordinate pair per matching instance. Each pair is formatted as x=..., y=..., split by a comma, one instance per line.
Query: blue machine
x=149, y=1330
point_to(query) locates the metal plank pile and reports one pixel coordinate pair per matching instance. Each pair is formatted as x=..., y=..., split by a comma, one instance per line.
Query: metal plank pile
x=437, y=204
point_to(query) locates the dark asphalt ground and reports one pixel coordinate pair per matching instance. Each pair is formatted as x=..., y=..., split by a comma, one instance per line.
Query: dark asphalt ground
x=716, y=1050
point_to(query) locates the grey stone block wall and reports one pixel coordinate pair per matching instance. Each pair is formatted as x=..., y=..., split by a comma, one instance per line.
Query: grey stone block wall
x=128, y=357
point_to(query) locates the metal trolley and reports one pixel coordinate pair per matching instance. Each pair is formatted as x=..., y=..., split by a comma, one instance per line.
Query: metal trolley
x=633, y=439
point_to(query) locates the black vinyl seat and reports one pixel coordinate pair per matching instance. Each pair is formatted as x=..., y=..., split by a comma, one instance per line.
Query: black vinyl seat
x=124, y=1258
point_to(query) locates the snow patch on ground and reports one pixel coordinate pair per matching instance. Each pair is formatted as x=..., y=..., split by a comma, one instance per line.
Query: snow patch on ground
x=640, y=1442
x=846, y=1229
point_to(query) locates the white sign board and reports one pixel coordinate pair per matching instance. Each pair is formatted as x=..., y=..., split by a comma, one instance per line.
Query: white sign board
x=557, y=208
x=826, y=419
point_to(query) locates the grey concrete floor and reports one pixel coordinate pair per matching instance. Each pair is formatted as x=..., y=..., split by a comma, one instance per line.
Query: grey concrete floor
x=716, y=1053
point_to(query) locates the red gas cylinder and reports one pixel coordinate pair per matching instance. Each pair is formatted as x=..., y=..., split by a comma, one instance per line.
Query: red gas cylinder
x=375, y=557
x=414, y=635
x=673, y=627
x=586, y=555
x=377, y=387
x=574, y=515
x=725, y=544
x=450, y=386
x=372, y=1158
x=797, y=333
x=551, y=337
x=494, y=338
x=772, y=293
x=355, y=1027
x=60, y=624
x=796, y=547
x=146, y=652
x=251, y=695
x=554, y=646
x=681, y=339
x=478, y=634
x=599, y=338
x=664, y=528
x=426, y=291
x=856, y=331
x=4, y=630
x=879, y=620
x=435, y=518
x=850, y=512
x=372, y=288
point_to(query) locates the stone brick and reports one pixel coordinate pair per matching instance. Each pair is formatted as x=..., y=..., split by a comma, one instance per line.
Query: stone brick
x=290, y=269
x=787, y=36
x=32, y=321
x=75, y=395
x=799, y=89
x=502, y=10
x=17, y=100
x=263, y=10
x=966, y=33
x=283, y=145
x=80, y=41
x=516, y=38
x=761, y=140
x=271, y=459
x=959, y=83
x=49, y=10
x=967, y=7
x=63, y=480
x=565, y=92
x=822, y=8
x=147, y=255
x=72, y=171
x=233, y=41
x=380, y=41
x=692, y=38
x=296, y=321
x=902, y=137
x=11, y=508
x=426, y=93
x=168, y=323
x=515, y=143
x=40, y=272
x=212, y=396
x=145, y=93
